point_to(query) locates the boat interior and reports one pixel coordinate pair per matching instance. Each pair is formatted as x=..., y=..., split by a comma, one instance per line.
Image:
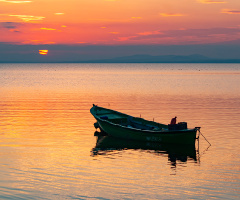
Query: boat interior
x=129, y=121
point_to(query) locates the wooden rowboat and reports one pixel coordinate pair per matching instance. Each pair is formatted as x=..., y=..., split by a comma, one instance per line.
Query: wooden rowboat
x=120, y=125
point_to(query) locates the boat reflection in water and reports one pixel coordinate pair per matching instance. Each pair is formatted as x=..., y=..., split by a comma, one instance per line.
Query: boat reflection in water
x=106, y=145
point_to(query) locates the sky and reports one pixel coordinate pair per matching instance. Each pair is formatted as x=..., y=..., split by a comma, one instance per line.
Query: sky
x=170, y=23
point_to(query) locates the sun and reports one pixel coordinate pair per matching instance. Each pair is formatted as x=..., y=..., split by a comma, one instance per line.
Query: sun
x=43, y=52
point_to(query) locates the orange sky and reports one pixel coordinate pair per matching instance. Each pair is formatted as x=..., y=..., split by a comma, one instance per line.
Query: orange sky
x=119, y=22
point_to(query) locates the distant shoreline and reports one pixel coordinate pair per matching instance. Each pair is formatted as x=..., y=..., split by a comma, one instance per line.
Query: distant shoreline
x=138, y=58
x=210, y=62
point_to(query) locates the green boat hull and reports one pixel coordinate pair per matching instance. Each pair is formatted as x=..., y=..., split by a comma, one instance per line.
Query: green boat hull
x=185, y=136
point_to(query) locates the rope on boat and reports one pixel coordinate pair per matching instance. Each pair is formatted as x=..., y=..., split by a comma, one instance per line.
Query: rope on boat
x=198, y=129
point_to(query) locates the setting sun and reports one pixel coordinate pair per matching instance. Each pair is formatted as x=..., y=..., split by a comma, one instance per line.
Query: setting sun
x=43, y=52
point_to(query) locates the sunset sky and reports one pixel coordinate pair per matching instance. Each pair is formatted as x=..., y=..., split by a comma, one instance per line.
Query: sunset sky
x=119, y=22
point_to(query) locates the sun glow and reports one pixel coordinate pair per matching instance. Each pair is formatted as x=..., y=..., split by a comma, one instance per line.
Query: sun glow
x=43, y=52
x=8, y=1
x=28, y=18
x=48, y=29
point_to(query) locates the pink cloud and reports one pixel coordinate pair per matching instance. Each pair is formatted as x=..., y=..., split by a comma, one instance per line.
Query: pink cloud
x=211, y=1
x=194, y=35
x=150, y=33
x=172, y=14
x=125, y=38
x=231, y=12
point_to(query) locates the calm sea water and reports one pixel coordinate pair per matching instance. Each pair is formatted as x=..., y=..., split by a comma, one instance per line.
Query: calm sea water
x=48, y=149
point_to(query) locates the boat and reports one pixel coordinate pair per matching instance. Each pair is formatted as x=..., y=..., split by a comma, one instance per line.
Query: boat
x=120, y=125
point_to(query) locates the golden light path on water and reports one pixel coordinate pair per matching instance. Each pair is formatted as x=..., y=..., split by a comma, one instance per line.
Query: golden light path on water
x=47, y=142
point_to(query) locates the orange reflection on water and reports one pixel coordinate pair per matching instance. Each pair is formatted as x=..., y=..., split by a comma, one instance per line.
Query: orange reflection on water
x=47, y=132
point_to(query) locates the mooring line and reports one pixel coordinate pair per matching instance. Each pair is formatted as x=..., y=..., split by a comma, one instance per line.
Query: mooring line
x=205, y=138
